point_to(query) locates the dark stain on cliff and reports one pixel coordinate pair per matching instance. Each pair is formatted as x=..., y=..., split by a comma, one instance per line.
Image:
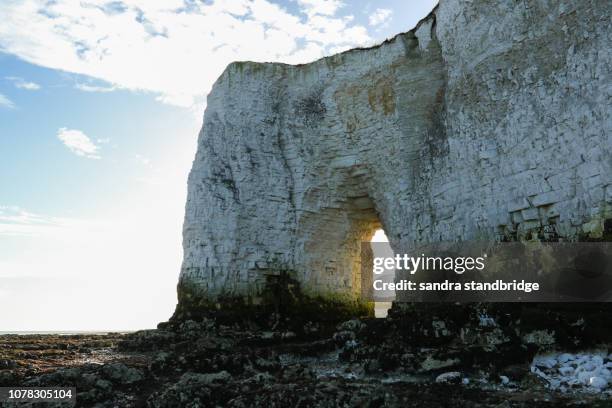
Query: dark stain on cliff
x=311, y=108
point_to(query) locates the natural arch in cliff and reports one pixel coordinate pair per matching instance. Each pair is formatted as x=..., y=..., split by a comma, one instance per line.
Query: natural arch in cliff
x=331, y=253
x=457, y=129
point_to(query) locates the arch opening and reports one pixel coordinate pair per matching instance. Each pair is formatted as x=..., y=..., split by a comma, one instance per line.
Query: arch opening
x=382, y=248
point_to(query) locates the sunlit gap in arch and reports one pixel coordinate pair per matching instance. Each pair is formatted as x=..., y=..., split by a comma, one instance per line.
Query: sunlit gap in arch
x=382, y=248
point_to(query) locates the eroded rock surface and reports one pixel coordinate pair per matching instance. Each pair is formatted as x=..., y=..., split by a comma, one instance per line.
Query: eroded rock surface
x=488, y=120
x=435, y=360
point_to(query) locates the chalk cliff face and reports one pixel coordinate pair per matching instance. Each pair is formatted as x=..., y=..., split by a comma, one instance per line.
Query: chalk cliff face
x=488, y=120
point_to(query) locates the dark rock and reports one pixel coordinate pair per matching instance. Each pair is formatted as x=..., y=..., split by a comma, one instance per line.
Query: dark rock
x=121, y=374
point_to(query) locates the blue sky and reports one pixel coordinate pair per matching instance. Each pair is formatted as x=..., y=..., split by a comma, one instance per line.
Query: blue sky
x=100, y=106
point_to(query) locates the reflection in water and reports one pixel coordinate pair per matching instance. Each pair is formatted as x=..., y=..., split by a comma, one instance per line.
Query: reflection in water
x=381, y=308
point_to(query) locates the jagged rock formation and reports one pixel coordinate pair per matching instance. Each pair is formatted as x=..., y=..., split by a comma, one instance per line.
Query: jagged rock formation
x=488, y=120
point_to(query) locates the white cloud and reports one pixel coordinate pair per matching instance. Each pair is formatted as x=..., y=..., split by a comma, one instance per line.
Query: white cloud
x=173, y=48
x=145, y=161
x=94, y=88
x=78, y=143
x=6, y=102
x=30, y=86
x=322, y=7
x=380, y=17
x=23, y=84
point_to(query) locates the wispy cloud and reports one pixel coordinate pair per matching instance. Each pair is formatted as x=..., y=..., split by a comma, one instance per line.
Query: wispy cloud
x=78, y=143
x=321, y=7
x=145, y=161
x=175, y=49
x=16, y=221
x=380, y=17
x=94, y=88
x=23, y=84
x=6, y=102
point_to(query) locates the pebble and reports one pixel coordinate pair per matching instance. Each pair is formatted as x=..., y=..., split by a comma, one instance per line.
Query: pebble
x=548, y=362
x=450, y=377
x=598, y=382
x=586, y=367
x=584, y=377
x=566, y=371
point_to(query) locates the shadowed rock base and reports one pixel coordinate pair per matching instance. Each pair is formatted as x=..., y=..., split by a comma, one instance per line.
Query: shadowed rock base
x=282, y=303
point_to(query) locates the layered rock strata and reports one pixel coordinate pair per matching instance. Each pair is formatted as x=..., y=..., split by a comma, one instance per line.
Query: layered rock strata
x=486, y=121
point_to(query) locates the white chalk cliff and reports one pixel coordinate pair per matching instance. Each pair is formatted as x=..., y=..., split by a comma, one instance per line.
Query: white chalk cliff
x=488, y=120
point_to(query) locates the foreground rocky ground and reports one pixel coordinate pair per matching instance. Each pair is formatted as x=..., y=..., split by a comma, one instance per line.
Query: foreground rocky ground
x=358, y=363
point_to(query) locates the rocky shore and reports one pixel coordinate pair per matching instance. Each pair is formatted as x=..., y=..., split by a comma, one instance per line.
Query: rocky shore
x=470, y=359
